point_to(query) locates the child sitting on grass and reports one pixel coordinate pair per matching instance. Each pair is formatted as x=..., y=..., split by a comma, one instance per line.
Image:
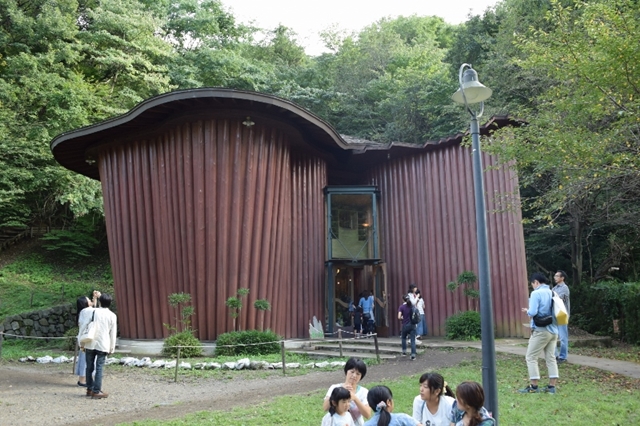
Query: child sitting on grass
x=380, y=399
x=338, y=414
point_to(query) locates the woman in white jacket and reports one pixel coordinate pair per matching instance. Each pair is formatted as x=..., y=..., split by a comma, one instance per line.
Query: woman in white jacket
x=83, y=303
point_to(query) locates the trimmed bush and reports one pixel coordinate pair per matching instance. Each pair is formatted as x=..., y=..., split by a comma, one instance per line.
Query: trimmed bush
x=231, y=344
x=183, y=338
x=463, y=326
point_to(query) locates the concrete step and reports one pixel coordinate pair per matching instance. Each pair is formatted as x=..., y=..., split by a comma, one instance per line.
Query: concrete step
x=336, y=354
x=388, y=348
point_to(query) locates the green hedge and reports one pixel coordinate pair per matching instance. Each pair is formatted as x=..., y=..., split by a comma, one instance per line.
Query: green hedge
x=244, y=343
x=192, y=346
x=594, y=309
x=463, y=326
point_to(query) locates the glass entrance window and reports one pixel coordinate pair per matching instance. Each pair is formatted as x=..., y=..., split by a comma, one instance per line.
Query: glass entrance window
x=352, y=223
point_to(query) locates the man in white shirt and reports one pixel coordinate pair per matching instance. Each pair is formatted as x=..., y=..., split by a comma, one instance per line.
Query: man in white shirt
x=106, y=324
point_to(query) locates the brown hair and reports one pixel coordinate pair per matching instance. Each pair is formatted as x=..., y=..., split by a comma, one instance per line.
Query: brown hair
x=472, y=394
x=435, y=381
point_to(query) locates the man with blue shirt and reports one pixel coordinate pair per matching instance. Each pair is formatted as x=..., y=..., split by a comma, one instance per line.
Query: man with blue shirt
x=542, y=338
x=367, y=303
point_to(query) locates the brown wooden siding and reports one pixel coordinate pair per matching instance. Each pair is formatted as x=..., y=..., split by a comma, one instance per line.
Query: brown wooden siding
x=307, y=290
x=427, y=222
x=206, y=209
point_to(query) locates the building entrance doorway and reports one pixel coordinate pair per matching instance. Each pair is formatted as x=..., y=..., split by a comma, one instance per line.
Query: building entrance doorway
x=347, y=284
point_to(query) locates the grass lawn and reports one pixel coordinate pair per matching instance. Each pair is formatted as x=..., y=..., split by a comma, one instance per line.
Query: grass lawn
x=33, y=282
x=586, y=396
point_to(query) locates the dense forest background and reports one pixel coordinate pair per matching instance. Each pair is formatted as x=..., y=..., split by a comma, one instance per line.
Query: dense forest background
x=570, y=70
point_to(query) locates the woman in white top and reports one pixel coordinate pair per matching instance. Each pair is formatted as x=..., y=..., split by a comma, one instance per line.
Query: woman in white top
x=355, y=369
x=413, y=297
x=422, y=325
x=338, y=414
x=82, y=303
x=433, y=405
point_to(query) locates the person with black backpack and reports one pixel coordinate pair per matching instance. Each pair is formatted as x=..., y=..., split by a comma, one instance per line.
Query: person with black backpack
x=407, y=313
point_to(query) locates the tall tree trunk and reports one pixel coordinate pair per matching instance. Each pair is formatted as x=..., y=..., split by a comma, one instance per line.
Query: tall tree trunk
x=577, y=257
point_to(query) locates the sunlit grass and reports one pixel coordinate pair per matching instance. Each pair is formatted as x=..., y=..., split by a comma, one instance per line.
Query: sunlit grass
x=33, y=282
x=585, y=396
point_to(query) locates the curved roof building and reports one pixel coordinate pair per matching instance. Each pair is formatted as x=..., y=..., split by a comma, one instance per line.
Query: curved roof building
x=208, y=191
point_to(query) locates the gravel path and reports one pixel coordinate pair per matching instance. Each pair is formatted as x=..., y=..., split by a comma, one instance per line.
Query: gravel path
x=47, y=393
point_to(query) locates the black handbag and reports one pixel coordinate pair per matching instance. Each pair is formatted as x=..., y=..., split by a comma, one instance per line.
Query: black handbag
x=544, y=320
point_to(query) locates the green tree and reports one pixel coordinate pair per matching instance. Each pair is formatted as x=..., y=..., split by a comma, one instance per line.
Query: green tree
x=180, y=302
x=234, y=303
x=389, y=82
x=63, y=65
x=578, y=155
x=262, y=305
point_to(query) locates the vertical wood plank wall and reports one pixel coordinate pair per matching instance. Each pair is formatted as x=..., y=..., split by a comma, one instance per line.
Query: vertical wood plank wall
x=307, y=290
x=207, y=208
x=428, y=228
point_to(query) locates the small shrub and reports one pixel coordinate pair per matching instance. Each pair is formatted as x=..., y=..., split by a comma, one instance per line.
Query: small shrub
x=235, y=304
x=70, y=341
x=463, y=326
x=183, y=338
x=179, y=301
x=226, y=343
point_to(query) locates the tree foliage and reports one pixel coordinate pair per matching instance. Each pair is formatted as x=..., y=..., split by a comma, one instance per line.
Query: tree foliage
x=568, y=68
x=389, y=82
x=578, y=155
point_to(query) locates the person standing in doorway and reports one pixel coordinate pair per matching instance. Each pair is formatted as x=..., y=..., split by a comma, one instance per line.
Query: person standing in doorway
x=562, y=290
x=357, y=322
x=367, y=304
x=408, y=328
x=106, y=324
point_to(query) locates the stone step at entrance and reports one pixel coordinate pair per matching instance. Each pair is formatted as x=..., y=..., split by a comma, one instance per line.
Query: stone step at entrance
x=336, y=354
x=388, y=348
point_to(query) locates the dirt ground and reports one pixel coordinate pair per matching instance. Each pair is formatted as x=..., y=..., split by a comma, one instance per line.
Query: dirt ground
x=48, y=394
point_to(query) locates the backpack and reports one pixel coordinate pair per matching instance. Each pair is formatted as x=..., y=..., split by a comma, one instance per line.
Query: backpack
x=415, y=315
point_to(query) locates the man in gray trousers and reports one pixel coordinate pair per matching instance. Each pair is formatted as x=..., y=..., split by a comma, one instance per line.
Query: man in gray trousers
x=562, y=290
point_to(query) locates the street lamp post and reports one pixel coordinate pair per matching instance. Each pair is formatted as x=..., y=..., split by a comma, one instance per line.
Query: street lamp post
x=471, y=91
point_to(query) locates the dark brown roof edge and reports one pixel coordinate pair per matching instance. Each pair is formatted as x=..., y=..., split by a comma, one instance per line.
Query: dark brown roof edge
x=494, y=123
x=207, y=92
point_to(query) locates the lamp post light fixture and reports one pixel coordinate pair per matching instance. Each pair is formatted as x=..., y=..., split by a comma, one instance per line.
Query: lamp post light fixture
x=471, y=91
